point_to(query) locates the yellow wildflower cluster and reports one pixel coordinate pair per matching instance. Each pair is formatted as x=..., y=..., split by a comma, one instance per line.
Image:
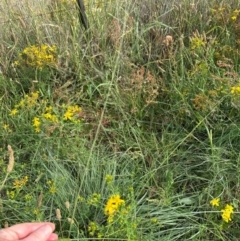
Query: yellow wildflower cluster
x=11, y=194
x=20, y=183
x=113, y=205
x=6, y=127
x=108, y=178
x=13, y=112
x=36, y=211
x=80, y=198
x=221, y=13
x=28, y=197
x=49, y=115
x=92, y=228
x=94, y=199
x=235, y=90
x=215, y=202
x=37, y=56
x=36, y=124
x=72, y=113
x=197, y=42
x=27, y=101
x=52, y=186
x=199, y=68
x=235, y=15
x=227, y=211
x=218, y=11
x=45, y=113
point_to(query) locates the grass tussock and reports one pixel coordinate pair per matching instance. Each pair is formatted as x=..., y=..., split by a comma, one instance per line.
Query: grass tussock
x=128, y=130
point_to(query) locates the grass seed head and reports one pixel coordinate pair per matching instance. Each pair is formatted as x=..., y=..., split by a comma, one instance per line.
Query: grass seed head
x=58, y=214
x=11, y=159
x=67, y=205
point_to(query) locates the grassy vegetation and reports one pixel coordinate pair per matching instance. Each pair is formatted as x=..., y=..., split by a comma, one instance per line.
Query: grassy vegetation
x=126, y=131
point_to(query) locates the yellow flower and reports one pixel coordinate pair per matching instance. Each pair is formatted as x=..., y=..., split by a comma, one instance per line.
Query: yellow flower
x=80, y=199
x=14, y=111
x=108, y=178
x=38, y=56
x=50, y=117
x=48, y=109
x=52, y=189
x=154, y=220
x=235, y=90
x=36, y=124
x=28, y=197
x=94, y=199
x=215, y=202
x=5, y=126
x=16, y=63
x=235, y=15
x=68, y=115
x=92, y=228
x=36, y=211
x=10, y=194
x=20, y=183
x=52, y=186
x=32, y=99
x=21, y=103
x=226, y=213
x=112, y=206
x=197, y=42
x=72, y=113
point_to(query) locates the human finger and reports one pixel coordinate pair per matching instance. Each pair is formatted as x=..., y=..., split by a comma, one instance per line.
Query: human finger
x=20, y=231
x=53, y=237
x=44, y=233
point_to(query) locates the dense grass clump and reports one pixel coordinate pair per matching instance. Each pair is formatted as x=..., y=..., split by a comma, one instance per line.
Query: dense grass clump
x=128, y=130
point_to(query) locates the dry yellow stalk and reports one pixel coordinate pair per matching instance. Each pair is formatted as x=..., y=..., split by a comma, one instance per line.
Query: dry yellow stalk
x=11, y=159
x=22, y=22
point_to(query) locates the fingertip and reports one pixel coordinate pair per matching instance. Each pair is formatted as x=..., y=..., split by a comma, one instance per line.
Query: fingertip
x=53, y=237
x=52, y=225
x=42, y=234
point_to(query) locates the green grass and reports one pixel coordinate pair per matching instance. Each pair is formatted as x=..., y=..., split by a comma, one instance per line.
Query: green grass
x=122, y=109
